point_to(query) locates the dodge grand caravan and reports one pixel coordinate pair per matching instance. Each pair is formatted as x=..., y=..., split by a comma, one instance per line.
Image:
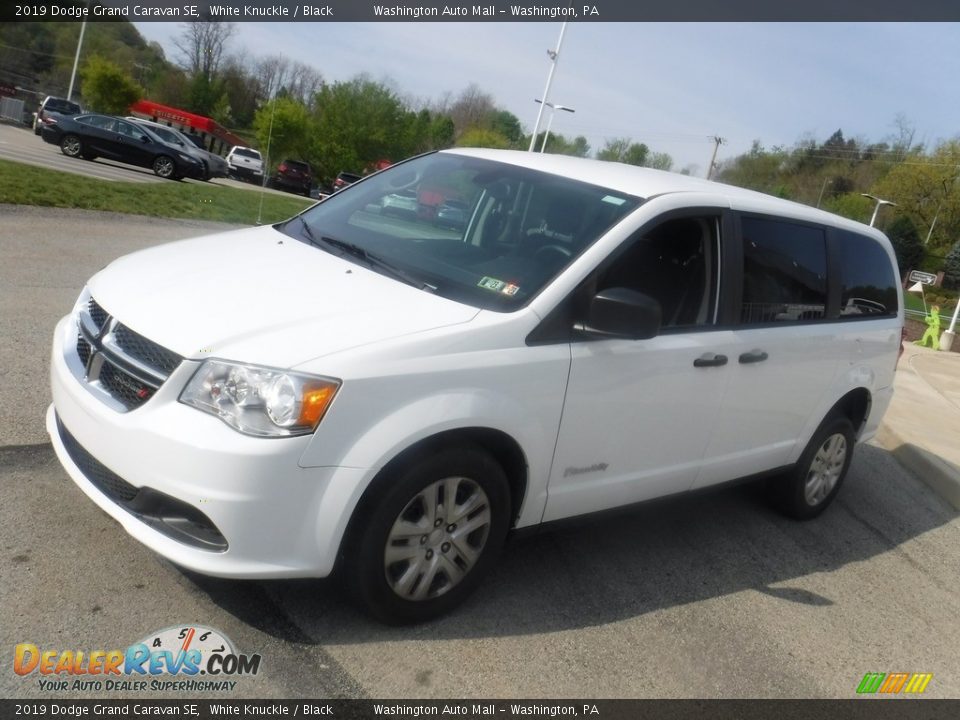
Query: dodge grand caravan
x=375, y=394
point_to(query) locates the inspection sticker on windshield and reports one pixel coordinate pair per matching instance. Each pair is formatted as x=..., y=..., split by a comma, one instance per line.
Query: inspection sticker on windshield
x=498, y=285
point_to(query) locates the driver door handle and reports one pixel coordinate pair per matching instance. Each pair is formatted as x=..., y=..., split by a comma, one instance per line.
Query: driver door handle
x=710, y=360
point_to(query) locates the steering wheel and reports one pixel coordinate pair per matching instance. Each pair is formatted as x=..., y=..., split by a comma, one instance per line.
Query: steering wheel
x=546, y=250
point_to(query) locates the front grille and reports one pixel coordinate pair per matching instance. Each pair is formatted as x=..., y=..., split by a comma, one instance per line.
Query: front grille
x=126, y=388
x=83, y=350
x=129, y=367
x=146, y=351
x=97, y=313
x=174, y=518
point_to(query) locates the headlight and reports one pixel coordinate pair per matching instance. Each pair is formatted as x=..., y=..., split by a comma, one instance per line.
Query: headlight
x=259, y=400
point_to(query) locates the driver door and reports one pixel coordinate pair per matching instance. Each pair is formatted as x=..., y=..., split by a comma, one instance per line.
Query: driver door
x=639, y=414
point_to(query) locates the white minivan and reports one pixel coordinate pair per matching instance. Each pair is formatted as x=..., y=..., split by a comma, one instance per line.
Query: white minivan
x=388, y=396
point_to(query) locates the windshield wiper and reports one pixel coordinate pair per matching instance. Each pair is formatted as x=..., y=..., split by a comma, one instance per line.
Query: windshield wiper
x=373, y=261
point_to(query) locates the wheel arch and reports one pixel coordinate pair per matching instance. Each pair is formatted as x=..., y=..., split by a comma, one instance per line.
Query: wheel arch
x=855, y=405
x=503, y=448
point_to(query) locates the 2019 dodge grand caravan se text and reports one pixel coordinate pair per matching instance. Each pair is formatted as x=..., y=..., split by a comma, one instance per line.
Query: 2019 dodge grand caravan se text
x=388, y=398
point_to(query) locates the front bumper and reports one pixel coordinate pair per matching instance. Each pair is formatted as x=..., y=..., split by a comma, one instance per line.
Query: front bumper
x=275, y=518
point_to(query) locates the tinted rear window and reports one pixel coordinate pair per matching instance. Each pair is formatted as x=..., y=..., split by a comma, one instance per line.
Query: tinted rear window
x=868, y=285
x=784, y=271
x=247, y=152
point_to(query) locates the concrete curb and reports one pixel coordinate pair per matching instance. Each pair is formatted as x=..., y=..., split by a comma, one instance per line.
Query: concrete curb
x=939, y=475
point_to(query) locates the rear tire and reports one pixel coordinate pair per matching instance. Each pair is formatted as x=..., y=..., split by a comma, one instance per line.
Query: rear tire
x=71, y=146
x=423, y=545
x=813, y=483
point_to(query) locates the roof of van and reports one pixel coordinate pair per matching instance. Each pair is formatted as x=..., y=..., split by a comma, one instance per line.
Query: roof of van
x=647, y=182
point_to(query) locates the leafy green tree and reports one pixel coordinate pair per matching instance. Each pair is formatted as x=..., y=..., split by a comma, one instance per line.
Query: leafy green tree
x=906, y=243
x=359, y=122
x=660, y=161
x=625, y=151
x=483, y=138
x=287, y=127
x=927, y=187
x=507, y=124
x=107, y=88
x=850, y=205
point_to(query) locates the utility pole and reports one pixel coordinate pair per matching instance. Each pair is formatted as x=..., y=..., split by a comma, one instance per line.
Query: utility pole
x=718, y=141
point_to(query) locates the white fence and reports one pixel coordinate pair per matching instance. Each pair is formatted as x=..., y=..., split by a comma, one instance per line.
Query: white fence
x=11, y=109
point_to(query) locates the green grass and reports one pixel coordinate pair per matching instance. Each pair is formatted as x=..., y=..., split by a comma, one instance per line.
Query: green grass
x=28, y=185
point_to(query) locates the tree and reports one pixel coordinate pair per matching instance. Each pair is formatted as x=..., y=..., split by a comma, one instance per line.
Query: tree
x=287, y=127
x=472, y=108
x=951, y=268
x=625, y=151
x=202, y=44
x=926, y=188
x=906, y=243
x=358, y=123
x=480, y=137
x=107, y=88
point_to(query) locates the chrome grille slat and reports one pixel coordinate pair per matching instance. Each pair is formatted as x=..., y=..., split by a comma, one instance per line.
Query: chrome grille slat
x=126, y=365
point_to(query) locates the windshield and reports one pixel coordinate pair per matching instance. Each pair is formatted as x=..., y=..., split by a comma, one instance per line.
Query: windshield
x=484, y=233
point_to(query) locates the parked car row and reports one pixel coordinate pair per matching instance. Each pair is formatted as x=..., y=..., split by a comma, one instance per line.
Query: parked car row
x=91, y=136
x=171, y=153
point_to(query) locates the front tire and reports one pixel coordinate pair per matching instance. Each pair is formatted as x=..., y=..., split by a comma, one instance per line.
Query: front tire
x=426, y=543
x=164, y=167
x=808, y=489
x=71, y=146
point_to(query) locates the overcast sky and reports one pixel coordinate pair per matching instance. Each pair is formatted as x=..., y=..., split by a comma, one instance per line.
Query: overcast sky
x=671, y=86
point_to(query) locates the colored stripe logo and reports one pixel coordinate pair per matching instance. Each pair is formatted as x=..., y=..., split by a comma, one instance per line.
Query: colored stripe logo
x=894, y=683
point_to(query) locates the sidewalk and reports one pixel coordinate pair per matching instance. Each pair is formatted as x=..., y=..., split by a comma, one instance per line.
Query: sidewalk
x=922, y=426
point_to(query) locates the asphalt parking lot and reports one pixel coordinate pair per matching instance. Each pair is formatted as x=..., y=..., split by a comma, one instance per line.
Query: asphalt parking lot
x=707, y=596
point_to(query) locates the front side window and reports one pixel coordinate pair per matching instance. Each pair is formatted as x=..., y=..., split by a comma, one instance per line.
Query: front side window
x=868, y=287
x=98, y=121
x=676, y=264
x=784, y=271
x=485, y=233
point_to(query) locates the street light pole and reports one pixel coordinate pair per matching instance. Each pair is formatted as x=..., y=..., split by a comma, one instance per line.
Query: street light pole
x=876, y=208
x=554, y=56
x=822, y=188
x=553, y=110
x=76, y=60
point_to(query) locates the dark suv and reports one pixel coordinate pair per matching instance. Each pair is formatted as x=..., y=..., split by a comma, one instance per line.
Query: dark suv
x=293, y=175
x=50, y=104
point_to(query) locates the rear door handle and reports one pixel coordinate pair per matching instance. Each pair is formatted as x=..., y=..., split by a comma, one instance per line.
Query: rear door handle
x=754, y=356
x=710, y=360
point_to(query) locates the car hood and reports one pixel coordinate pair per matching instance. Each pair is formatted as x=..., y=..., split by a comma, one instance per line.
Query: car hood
x=263, y=297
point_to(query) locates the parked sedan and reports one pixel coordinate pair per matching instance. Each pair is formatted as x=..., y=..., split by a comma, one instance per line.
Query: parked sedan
x=92, y=136
x=213, y=165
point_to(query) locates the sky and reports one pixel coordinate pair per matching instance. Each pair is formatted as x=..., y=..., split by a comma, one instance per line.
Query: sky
x=673, y=86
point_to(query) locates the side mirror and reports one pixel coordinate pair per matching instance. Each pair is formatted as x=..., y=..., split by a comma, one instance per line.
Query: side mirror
x=144, y=139
x=622, y=313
